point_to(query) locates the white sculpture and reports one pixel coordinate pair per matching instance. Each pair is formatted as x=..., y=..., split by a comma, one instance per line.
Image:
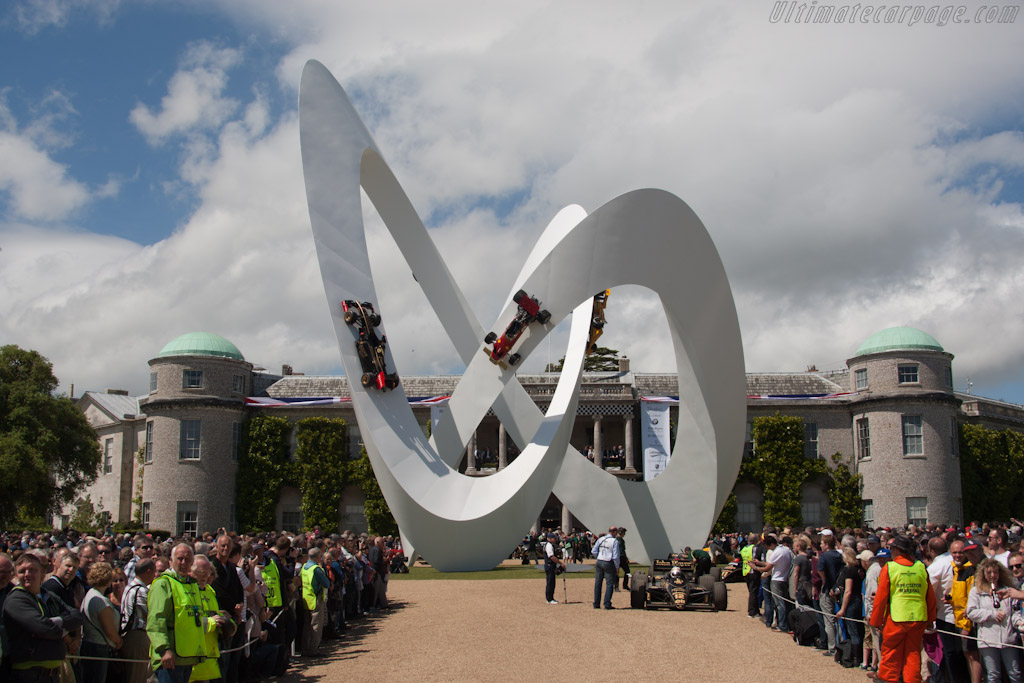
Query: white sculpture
x=646, y=237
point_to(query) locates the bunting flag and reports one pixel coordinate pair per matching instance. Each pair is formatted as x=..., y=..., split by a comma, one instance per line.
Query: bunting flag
x=791, y=397
x=268, y=402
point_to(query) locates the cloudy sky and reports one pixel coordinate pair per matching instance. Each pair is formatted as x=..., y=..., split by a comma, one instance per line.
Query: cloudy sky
x=854, y=175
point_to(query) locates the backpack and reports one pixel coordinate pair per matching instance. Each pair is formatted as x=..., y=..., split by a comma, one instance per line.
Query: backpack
x=846, y=654
x=804, y=625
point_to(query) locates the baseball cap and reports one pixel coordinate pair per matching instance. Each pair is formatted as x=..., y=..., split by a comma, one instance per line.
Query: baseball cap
x=825, y=532
x=866, y=555
x=971, y=546
x=884, y=552
x=874, y=539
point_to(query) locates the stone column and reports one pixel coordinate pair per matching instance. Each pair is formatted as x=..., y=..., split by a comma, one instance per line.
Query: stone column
x=502, y=448
x=566, y=519
x=628, y=428
x=598, y=446
x=471, y=455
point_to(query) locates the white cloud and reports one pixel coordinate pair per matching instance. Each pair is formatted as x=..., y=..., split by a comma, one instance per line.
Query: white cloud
x=847, y=189
x=33, y=16
x=195, y=98
x=39, y=188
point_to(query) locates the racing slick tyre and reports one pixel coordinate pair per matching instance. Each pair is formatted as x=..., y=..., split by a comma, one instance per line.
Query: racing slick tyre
x=598, y=323
x=518, y=296
x=489, y=339
x=706, y=582
x=514, y=358
x=716, y=573
x=374, y=320
x=720, y=596
x=350, y=317
x=543, y=317
x=367, y=379
x=638, y=591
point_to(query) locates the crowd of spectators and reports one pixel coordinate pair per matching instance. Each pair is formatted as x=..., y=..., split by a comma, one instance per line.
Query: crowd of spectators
x=820, y=586
x=76, y=608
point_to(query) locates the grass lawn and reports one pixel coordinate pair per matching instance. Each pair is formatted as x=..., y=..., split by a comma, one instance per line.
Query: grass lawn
x=519, y=571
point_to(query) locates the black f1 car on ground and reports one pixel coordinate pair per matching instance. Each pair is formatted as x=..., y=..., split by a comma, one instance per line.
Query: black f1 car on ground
x=671, y=584
x=369, y=346
x=529, y=311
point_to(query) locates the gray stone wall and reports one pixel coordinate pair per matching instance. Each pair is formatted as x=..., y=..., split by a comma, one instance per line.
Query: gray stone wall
x=883, y=370
x=218, y=376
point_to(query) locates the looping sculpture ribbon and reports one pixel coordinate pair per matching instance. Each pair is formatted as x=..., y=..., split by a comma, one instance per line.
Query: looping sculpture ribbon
x=645, y=237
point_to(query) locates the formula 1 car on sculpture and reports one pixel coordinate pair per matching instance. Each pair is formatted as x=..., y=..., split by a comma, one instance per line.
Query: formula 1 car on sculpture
x=671, y=584
x=529, y=311
x=597, y=321
x=369, y=346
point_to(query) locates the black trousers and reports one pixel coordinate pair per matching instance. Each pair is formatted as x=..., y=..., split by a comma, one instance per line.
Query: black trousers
x=549, y=588
x=753, y=586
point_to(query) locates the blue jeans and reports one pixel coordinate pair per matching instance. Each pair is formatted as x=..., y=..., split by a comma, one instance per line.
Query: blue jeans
x=93, y=670
x=780, y=591
x=604, y=571
x=769, y=604
x=179, y=674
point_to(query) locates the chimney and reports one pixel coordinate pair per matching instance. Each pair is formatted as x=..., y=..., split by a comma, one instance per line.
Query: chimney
x=623, y=364
x=118, y=392
x=286, y=370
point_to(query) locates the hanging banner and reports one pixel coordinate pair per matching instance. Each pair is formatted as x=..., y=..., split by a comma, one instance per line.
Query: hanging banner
x=655, y=437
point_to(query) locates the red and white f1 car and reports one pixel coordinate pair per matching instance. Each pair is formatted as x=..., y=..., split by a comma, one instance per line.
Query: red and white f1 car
x=529, y=311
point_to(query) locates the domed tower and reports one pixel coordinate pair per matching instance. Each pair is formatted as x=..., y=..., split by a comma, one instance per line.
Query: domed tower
x=905, y=429
x=195, y=408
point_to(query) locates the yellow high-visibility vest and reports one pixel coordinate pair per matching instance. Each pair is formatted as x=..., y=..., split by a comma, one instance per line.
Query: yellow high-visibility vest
x=908, y=592
x=272, y=580
x=307, y=588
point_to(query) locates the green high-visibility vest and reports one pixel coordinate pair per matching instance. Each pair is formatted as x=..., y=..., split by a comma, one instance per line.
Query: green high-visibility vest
x=908, y=592
x=747, y=554
x=307, y=588
x=189, y=630
x=272, y=580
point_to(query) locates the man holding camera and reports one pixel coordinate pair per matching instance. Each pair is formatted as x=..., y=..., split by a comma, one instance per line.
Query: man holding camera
x=551, y=565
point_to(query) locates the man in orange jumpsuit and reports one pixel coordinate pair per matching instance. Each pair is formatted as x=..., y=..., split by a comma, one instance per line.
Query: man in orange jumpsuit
x=904, y=607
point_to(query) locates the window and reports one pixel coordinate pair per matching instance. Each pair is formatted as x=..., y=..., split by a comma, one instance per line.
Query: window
x=860, y=379
x=191, y=433
x=191, y=379
x=152, y=382
x=949, y=376
x=188, y=518
x=145, y=515
x=917, y=511
x=913, y=437
x=811, y=440
x=748, y=441
x=238, y=384
x=869, y=512
x=149, y=442
x=813, y=512
x=746, y=516
x=236, y=440
x=108, y=456
x=291, y=520
x=908, y=374
x=954, y=439
x=355, y=441
x=863, y=438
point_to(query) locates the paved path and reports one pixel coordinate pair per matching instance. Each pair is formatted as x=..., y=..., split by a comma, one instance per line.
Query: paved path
x=504, y=631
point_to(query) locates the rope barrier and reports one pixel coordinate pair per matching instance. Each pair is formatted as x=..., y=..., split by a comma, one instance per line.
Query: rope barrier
x=806, y=608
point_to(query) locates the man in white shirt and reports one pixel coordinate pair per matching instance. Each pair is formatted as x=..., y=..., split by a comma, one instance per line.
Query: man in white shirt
x=606, y=551
x=778, y=562
x=998, y=539
x=551, y=563
x=940, y=575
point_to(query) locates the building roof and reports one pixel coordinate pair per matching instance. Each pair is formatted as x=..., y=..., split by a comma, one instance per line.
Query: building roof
x=898, y=338
x=118, y=405
x=201, y=344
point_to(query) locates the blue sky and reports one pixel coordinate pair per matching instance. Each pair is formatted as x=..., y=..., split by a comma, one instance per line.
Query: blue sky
x=853, y=177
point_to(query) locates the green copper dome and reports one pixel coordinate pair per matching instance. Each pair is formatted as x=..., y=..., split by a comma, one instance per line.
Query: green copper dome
x=201, y=344
x=898, y=338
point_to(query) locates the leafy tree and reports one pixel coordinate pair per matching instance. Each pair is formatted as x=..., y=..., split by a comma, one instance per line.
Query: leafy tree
x=378, y=514
x=991, y=472
x=48, y=450
x=844, y=495
x=263, y=468
x=602, y=359
x=323, y=468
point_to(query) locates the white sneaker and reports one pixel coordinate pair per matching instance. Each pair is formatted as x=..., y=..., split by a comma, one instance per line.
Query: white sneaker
x=552, y=602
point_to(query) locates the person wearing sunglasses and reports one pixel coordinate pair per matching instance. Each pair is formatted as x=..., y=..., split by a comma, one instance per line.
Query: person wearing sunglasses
x=990, y=611
x=143, y=551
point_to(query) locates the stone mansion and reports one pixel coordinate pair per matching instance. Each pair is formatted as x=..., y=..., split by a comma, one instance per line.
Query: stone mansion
x=892, y=413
